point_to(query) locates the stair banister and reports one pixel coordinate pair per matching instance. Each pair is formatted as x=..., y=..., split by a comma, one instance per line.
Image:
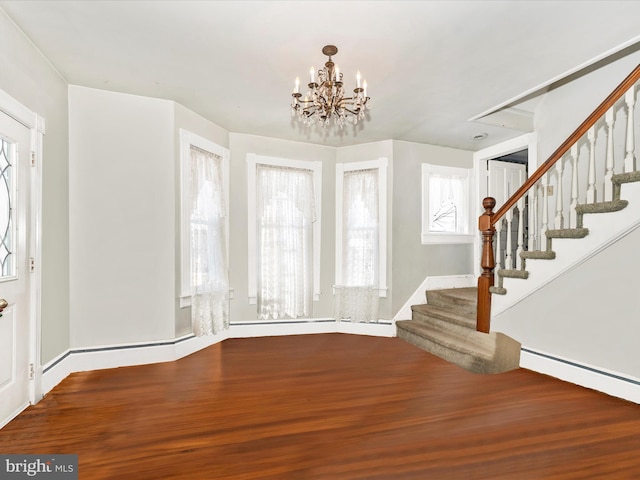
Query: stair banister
x=488, y=219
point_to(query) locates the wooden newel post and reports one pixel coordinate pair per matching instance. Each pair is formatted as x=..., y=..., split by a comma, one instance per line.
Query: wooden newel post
x=488, y=263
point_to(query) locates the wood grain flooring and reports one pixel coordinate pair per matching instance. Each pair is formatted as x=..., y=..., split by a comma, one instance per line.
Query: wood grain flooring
x=331, y=406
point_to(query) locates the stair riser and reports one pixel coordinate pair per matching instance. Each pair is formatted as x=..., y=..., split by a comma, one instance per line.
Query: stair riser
x=442, y=322
x=472, y=363
x=455, y=304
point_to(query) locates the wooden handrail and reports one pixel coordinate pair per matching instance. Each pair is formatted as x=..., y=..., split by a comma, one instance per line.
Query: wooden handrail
x=487, y=220
x=608, y=102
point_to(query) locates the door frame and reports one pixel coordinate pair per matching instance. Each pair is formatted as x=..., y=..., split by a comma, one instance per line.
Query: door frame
x=527, y=141
x=36, y=125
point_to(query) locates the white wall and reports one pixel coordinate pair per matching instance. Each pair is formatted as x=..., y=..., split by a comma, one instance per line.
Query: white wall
x=122, y=218
x=29, y=78
x=412, y=261
x=589, y=314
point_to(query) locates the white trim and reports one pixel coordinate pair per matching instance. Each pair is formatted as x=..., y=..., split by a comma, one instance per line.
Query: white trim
x=527, y=141
x=433, y=283
x=428, y=237
x=596, y=378
x=35, y=252
x=544, y=86
x=187, y=139
x=316, y=167
x=381, y=165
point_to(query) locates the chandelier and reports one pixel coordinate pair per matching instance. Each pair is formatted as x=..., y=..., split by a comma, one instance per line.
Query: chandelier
x=326, y=99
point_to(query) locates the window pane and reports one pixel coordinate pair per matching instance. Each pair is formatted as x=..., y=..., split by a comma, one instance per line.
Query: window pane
x=7, y=150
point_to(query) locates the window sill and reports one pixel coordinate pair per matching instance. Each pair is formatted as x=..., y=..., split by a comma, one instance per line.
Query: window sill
x=446, y=238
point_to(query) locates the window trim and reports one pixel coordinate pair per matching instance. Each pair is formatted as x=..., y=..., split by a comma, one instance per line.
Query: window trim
x=434, y=238
x=254, y=159
x=187, y=139
x=381, y=165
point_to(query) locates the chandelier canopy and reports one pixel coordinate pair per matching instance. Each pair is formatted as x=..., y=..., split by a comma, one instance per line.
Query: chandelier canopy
x=326, y=99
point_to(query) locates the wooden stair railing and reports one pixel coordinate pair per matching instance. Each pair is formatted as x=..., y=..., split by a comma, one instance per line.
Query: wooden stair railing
x=488, y=219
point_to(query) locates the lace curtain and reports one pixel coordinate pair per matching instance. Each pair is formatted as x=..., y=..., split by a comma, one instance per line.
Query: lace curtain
x=285, y=213
x=357, y=298
x=209, y=273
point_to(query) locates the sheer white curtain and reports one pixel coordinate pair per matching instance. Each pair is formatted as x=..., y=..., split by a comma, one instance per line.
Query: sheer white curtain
x=209, y=273
x=285, y=213
x=357, y=298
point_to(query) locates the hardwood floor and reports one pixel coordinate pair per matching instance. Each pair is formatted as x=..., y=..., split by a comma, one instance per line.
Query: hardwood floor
x=331, y=406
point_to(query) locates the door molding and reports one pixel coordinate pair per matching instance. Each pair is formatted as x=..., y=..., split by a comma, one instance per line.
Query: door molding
x=528, y=141
x=36, y=124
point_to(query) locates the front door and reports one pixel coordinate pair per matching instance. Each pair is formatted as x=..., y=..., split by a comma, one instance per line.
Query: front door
x=15, y=180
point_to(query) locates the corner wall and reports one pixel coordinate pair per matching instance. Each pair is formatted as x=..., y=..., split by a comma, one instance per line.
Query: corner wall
x=122, y=218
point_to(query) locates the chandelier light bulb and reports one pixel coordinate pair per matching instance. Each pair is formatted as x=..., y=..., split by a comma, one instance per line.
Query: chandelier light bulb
x=325, y=99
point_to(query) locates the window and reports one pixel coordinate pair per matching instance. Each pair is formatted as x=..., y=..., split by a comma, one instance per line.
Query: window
x=446, y=200
x=204, y=237
x=361, y=235
x=284, y=236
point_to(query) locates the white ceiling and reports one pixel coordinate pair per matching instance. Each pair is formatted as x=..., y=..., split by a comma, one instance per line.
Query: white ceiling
x=431, y=66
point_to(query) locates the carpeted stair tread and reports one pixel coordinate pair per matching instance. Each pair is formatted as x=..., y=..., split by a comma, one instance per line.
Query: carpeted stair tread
x=568, y=233
x=511, y=273
x=629, y=177
x=443, y=315
x=498, y=290
x=538, y=255
x=458, y=300
x=602, y=207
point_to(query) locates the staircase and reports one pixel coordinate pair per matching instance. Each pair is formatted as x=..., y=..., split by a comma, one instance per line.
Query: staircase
x=446, y=327
x=570, y=208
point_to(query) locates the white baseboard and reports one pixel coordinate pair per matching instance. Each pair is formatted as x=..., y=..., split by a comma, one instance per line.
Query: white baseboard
x=433, y=283
x=596, y=378
x=113, y=356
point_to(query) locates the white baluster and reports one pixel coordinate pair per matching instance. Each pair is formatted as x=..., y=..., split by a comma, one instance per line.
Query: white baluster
x=559, y=220
x=573, y=215
x=508, y=248
x=608, y=186
x=591, y=182
x=545, y=209
x=630, y=159
x=533, y=217
x=499, y=245
x=520, y=238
